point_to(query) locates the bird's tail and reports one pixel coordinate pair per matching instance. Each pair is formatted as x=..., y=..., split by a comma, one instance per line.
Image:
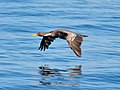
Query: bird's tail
x=84, y=35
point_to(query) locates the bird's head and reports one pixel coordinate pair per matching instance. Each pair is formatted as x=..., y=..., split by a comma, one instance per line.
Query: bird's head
x=38, y=34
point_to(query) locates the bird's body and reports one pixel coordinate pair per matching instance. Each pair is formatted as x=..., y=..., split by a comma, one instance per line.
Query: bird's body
x=74, y=40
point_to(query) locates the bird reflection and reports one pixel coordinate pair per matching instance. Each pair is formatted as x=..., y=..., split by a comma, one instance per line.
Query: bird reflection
x=75, y=71
x=47, y=71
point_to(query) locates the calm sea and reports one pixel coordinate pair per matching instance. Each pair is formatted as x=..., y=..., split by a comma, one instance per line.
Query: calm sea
x=20, y=59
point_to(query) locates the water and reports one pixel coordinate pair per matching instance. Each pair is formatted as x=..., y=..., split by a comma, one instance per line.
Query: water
x=20, y=59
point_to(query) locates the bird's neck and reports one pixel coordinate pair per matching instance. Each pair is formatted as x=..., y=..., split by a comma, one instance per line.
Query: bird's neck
x=42, y=33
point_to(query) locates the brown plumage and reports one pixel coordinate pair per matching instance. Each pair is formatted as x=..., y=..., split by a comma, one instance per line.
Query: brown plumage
x=74, y=40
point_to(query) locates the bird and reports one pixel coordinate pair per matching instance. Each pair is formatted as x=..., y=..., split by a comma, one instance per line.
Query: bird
x=74, y=39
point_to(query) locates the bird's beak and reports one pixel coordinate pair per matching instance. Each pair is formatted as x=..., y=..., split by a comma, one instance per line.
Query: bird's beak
x=34, y=35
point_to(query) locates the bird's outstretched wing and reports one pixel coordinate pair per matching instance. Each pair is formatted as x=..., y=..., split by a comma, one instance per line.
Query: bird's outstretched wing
x=46, y=41
x=75, y=45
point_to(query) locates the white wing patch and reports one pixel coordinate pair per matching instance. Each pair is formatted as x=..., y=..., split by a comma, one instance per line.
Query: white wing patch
x=47, y=34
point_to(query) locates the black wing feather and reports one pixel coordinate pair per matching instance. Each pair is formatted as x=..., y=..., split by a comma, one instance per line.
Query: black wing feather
x=46, y=41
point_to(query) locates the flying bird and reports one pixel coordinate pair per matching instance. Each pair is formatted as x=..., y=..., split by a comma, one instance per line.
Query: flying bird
x=74, y=40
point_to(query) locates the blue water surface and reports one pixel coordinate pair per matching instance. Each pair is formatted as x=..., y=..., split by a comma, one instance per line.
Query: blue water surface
x=20, y=59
